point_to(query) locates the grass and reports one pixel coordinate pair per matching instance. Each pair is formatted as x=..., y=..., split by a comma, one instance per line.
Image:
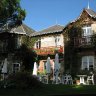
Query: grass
x=51, y=90
x=68, y=89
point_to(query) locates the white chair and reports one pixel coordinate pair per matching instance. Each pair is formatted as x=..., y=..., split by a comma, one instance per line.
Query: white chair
x=64, y=78
x=90, y=79
x=67, y=79
x=45, y=79
x=70, y=80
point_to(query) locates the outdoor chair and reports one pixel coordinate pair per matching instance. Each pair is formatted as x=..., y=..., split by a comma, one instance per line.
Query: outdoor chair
x=54, y=80
x=90, y=79
x=44, y=79
x=67, y=79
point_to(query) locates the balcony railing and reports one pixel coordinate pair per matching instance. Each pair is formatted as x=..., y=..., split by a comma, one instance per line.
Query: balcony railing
x=83, y=41
x=49, y=50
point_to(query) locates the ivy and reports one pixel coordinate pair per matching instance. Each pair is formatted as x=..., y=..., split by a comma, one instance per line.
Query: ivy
x=70, y=55
x=29, y=41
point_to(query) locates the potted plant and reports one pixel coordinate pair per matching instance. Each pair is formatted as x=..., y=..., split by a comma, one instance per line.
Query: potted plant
x=76, y=80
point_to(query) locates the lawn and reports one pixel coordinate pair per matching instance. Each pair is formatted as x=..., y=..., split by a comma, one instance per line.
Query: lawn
x=51, y=90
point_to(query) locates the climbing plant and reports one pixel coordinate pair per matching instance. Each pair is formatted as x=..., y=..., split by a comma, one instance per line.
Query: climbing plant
x=70, y=55
x=29, y=41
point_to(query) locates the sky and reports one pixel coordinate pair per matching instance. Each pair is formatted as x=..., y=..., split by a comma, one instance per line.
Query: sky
x=41, y=14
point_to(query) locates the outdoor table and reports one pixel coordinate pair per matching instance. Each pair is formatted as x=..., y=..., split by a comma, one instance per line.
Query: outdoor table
x=82, y=80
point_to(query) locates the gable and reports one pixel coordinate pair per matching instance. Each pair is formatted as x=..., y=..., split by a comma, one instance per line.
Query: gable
x=86, y=18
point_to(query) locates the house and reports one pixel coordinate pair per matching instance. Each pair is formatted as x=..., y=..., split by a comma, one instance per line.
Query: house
x=49, y=41
x=80, y=48
x=11, y=39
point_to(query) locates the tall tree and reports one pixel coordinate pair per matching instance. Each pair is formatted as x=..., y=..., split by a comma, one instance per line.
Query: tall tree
x=11, y=11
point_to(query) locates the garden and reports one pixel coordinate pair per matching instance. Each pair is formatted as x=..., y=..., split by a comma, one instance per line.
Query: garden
x=24, y=84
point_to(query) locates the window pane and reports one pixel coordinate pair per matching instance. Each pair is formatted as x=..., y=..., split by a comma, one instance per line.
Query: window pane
x=88, y=62
x=87, y=31
x=84, y=62
x=91, y=62
x=84, y=32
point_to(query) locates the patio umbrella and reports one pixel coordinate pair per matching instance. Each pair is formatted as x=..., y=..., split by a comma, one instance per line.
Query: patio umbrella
x=48, y=68
x=35, y=69
x=56, y=68
x=4, y=69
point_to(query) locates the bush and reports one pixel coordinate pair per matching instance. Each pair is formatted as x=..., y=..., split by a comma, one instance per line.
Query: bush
x=22, y=80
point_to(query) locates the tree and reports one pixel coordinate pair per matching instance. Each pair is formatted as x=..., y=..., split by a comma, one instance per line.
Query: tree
x=27, y=56
x=11, y=12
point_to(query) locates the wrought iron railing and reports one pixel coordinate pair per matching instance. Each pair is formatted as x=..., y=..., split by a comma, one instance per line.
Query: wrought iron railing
x=83, y=41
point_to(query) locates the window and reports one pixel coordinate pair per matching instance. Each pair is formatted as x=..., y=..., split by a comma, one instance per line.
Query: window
x=57, y=40
x=38, y=44
x=87, y=31
x=17, y=42
x=3, y=45
x=16, y=67
x=88, y=62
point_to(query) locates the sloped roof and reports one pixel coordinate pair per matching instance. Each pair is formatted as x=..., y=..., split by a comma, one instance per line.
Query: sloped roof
x=91, y=13
x=22, y=29
x=50, y=30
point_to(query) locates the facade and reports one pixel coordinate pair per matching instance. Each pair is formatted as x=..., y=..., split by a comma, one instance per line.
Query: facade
x=76, y=48
x=10, y=41
x=83, y=44
x=49, y=42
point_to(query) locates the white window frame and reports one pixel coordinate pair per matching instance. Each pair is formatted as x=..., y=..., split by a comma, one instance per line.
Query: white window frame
x=87, y=61
x=86, y=32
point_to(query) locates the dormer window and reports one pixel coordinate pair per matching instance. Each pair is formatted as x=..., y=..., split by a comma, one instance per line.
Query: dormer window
x=87, y=31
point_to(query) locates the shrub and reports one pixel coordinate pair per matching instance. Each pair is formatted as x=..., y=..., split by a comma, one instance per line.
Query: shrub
x=22, y=80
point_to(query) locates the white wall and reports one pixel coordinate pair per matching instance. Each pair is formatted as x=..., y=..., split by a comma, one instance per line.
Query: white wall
x=48, y=41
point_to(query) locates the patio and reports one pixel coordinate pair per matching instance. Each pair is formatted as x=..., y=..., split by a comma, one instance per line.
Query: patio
x=52, y=75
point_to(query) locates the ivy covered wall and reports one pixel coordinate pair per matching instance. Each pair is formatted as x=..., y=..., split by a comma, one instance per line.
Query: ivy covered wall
x=72, y=53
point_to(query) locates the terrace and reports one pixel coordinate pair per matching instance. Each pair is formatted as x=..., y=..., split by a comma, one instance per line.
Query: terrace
x=49, y=50
x=84, y=41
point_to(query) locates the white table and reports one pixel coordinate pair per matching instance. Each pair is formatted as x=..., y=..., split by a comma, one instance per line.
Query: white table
x=82, y=80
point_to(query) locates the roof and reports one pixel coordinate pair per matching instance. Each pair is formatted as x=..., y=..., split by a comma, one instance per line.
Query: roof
x=89, y=11
x=50, y=30
x=22, y=29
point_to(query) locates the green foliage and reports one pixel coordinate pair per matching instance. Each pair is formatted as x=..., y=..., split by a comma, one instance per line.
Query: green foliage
x=70, y=55
x=11, y=9
x=42, y=73
x=22, y=80
x=93, y=40
x=26, y=53
x=27, y=56
x=28, y=41
x=83, y=72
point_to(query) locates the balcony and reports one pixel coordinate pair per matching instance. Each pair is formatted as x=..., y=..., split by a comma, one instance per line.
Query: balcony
x=49, y=50
x=84, y=41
